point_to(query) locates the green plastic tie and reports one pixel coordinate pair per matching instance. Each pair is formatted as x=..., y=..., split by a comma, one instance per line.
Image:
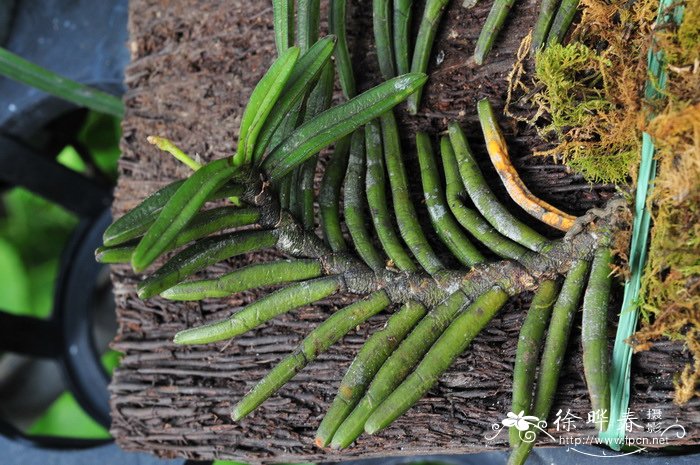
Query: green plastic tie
x=614, y=436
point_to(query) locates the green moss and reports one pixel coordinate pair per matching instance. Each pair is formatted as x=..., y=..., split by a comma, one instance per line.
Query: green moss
x=571, y=76
x=601, y=165
x=689, y=32
x=595, y=137
x=589, y=95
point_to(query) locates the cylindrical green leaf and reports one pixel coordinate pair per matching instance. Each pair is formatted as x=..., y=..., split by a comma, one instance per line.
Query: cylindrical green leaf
x=492, y=26
x=378, y=202
x=424, y=43
x=319, y=100
x=203, y=224
x=179, y=210
x=318, y=341
x=381, y=22
x=308, y=19
x=554, y=351
x=544, y=22
x=452, y=343
x=527, y=355
x=117, y=254
x=260, y=311
x=398, y=366
x=283, y=18
x=262, y=101
x=562, y=21
x=201, y=255
x=243, y=279
x=329, y=195
x=594, y=334
x=304, y=75
x=362, y=370
x=406, y=216
x=471, y=220
x=403, y=10
x=336, y=25
x=337, y=122
x=444, y=223
x=484, y=200
x=355, y=205
x=136, y=221
x=19, y=69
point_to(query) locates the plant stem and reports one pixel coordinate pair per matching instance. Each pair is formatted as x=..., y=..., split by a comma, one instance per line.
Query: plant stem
x=376, y=197
x=456, y=338
x=406, y=216
x=494, y=22
x=166, y=145
x=19, y=69
x=354, y=203
x=261, y=311
x=444, y=223
x=424, y=43
x=317, y=342
x=246, y=278
x=296, y=204
x=368, y=361
x=284, y=186
x=527, y=355
x=484, y=200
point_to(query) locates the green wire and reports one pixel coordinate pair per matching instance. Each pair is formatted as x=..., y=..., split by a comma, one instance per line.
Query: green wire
x=620, y=369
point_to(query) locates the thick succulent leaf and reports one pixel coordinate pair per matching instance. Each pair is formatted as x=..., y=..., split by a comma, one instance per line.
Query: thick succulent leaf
x=305, y=73
x=179, y=210
x=262, y=100
x=338, y=122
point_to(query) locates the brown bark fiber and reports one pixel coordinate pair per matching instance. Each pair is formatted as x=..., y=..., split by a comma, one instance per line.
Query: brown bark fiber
x=194, y=64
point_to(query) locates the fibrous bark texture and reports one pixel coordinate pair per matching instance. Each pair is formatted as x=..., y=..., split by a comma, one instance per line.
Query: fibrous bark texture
x=194, y=64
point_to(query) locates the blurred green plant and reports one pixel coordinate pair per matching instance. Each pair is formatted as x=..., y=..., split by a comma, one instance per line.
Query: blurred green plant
x=33, y=233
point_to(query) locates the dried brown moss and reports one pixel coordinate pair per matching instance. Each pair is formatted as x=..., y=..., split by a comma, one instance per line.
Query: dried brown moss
x=671, y=281
x=587, y=98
